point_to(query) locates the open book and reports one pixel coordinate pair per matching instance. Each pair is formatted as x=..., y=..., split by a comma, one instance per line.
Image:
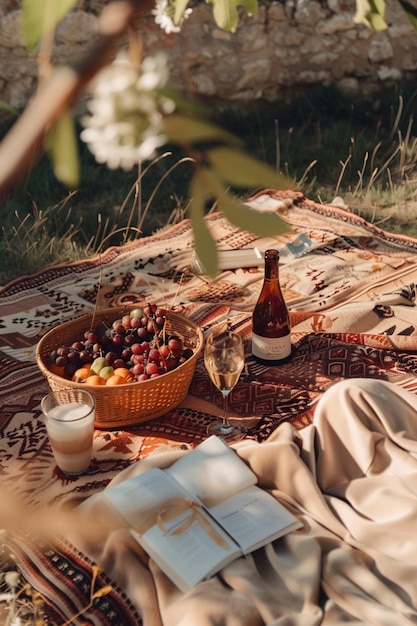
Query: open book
x=201, y=513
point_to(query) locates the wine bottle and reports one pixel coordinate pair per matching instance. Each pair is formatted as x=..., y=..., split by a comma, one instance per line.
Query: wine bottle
x=271, y=327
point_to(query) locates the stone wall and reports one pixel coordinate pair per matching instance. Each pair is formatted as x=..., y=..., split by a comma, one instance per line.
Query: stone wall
x=287, y=46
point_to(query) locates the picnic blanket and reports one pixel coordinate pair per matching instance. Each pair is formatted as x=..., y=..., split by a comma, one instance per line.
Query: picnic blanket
x=350, y=287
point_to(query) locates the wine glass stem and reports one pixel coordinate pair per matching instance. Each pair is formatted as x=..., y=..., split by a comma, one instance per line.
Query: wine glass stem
x=226, y=409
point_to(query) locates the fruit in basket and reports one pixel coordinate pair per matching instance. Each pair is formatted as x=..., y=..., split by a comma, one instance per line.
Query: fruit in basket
x=80, y=375
x=106, y=372
x=99, y=363
x=95, y=379
x=134, y=348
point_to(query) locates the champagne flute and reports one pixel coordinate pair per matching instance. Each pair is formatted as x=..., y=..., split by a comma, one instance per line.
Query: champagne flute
x=224, y=358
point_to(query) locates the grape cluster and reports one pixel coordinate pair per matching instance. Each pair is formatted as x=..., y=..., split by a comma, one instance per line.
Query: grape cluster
x=135, y=348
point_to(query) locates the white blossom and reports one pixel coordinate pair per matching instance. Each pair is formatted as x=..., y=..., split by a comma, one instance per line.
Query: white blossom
x=155, y=72
x=164, y=12
x=127, y=111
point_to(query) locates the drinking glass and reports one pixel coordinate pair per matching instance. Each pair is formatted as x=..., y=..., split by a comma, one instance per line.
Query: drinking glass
x=69, y=419
x=224, y=358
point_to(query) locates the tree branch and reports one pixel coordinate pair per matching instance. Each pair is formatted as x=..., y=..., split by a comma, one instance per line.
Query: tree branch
x=24, y=142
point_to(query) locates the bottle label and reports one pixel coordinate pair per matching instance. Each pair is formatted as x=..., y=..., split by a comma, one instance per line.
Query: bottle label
x=271, y=349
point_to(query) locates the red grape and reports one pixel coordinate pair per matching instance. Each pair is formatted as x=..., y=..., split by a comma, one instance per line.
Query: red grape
x=160, y=321
x=154, y=355
x=117, y=341
x=85, y=356
x=129, y=339
x=61, y=361
x=91, y=337
x=126, y=321
x=143, y=334
x=134, y=322
x=74, y=357
x=164, y=351
x=173, y=344
x=111, y=357
x=137, y=369
x=151, y=368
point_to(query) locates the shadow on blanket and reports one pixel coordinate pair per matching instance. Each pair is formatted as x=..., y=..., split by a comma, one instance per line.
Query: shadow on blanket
x=351, y=290
x=353, y=486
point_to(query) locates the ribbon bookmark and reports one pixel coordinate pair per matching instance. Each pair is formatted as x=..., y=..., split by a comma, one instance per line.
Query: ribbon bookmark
x=174, y=507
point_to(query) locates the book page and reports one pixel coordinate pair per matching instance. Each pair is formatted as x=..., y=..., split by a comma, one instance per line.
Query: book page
x=193, y=554
x=172, y=527
x=140, y=497
x=254, y=518
x=212, y=471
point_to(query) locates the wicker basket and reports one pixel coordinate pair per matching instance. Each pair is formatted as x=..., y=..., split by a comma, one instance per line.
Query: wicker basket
x=133, y=403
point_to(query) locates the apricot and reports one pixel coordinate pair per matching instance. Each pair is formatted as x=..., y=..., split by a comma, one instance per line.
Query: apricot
x=115, y=380
x=124, y=373
x=81, y=374
x=95, y=379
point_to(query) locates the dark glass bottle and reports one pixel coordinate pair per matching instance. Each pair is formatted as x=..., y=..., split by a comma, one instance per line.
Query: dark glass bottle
x=271, y=327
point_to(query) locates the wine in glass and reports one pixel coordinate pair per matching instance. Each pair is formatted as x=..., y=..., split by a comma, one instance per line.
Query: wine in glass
x=224, y=358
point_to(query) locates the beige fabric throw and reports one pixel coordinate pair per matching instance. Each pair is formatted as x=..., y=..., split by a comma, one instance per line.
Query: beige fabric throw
x=352, y=479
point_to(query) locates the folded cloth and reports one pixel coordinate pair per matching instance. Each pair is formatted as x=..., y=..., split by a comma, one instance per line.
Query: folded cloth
x=351, y=478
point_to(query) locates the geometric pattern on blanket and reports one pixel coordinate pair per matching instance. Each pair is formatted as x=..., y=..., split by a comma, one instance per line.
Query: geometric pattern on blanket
x=351, y=291
x=349, y=285
x=51, y=568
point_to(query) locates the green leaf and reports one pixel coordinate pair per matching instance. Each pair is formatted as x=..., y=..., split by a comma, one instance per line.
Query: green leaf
x=226, y=14
x=371, y=13
x=261, y=223
x=205, y=245
x=182, y=129
x=180, y=6
x=205, y=185
x=62, y=146
x=411, y=13
x=42, y=16
x=239, y=169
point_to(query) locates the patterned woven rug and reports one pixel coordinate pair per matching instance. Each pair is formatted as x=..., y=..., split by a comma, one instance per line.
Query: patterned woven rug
x=349, y=285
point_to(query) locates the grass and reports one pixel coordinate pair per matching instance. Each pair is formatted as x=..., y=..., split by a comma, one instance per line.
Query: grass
x=330, y=145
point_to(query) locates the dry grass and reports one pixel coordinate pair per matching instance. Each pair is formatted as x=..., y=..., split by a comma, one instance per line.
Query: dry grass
x=365, y=154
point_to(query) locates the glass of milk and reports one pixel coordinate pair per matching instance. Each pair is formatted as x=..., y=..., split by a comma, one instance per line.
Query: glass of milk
x=69, y=419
